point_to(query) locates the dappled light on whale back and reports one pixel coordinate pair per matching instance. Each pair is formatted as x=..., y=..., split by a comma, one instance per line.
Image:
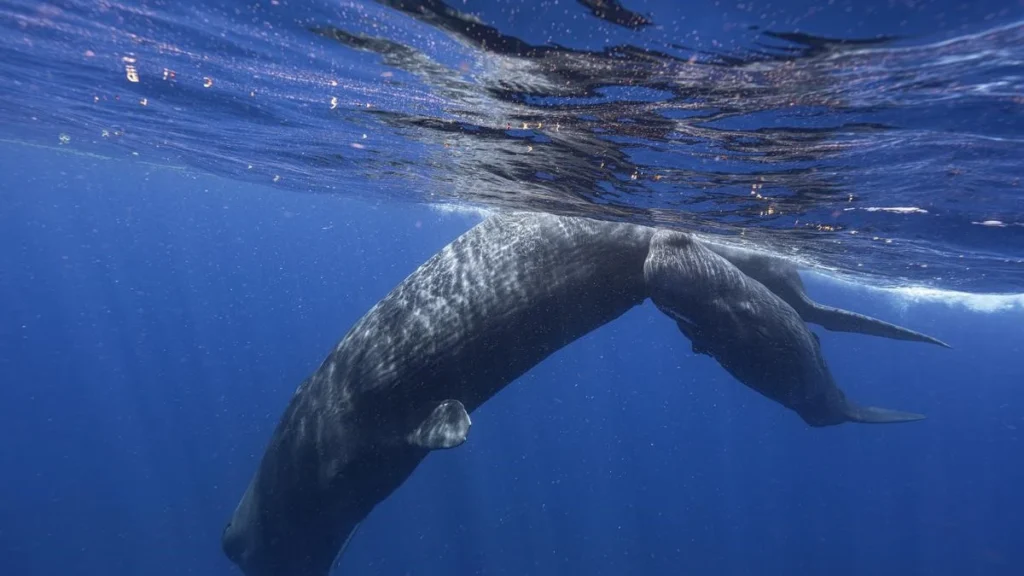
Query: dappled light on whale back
x=881, y=153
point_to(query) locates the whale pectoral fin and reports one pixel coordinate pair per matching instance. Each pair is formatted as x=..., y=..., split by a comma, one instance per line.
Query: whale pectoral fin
x=344, y=546
x=839, y=320
x=875, y=415
x=447, y=426
x=782, y=277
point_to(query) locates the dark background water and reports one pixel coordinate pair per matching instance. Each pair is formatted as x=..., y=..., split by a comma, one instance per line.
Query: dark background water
x=155, y=323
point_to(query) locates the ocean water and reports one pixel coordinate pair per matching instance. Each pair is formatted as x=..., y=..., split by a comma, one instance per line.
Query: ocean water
x=197, y=200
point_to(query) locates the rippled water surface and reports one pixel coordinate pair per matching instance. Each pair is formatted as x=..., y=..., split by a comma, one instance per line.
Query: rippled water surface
x=878, y=139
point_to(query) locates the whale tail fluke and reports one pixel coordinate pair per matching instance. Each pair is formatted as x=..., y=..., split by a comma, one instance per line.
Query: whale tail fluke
x=839, y=320
x=874, y=415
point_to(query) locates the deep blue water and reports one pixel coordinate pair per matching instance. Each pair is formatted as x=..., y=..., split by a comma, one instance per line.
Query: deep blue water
x=167, y=278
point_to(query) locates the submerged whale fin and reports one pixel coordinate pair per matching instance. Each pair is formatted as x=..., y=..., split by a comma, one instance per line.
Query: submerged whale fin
x=874, y=415
x=344, y=546
x=782, y=277
x=839, y=320
x=446, y=427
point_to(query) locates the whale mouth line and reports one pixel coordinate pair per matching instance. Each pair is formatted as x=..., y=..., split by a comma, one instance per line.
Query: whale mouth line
x=679, y=317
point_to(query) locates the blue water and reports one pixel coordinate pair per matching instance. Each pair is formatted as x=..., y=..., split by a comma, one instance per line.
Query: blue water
x=880, y=139
x=160, y=301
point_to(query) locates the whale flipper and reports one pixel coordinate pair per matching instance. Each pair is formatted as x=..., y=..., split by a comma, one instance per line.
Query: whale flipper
x=344, y=546
x=446, y=427
x=874, y=415
x=839, y=320
x=782, y=277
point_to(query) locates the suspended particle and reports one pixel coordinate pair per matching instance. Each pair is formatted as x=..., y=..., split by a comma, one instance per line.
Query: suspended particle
x=207, y=81
x=144, y=101
x=130, y=71
x=64, y=138
x=277, y=178
x=334, y=102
